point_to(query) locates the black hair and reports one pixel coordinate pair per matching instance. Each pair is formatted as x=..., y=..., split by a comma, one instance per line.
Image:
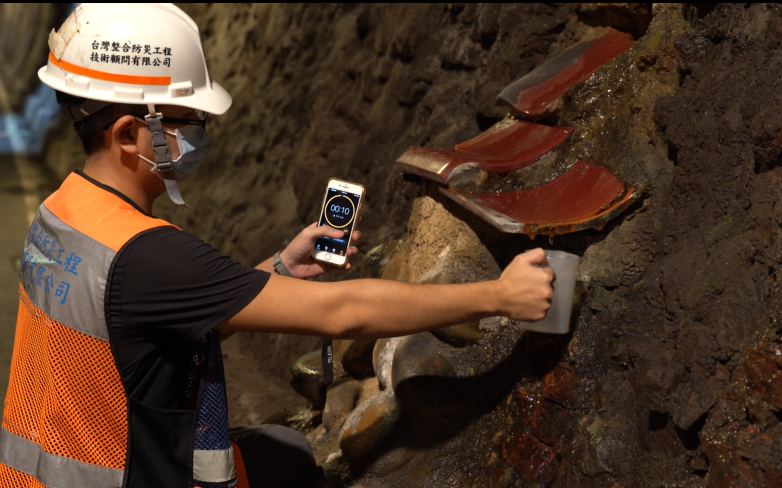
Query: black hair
x=90, y=130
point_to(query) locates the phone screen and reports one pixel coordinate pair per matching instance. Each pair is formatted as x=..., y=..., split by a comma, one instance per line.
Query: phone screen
x=340, y=213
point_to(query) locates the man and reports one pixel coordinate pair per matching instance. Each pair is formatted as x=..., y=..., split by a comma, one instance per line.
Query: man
x=117, y=373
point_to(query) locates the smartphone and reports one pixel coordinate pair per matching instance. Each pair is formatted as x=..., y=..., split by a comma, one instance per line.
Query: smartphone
x=341, y=207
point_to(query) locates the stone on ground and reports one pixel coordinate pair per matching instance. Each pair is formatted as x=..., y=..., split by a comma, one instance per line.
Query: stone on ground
x=357, y=358
x=382, y=359
x=367, y=427
x=307, y=377
x=341, y=398
x=424, y=380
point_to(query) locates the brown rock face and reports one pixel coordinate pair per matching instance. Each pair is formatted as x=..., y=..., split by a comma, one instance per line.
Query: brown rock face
x=699, y=398
x=549, y=423
x=764, y=373
x=560, y=385
x=532, y=461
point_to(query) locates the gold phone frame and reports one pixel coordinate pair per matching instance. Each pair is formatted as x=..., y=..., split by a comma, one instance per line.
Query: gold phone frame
x=358, y=214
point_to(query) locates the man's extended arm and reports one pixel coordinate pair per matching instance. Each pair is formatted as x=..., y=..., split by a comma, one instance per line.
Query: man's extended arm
x=297, y=259
x=379, y=308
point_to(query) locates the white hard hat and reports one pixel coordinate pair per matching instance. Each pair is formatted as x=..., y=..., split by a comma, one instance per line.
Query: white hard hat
x=144, y=53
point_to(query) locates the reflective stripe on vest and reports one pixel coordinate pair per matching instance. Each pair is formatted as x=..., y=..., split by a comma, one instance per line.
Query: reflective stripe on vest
x=214, y=466
x=64, y=274
x=65, y=419
x=51, y=470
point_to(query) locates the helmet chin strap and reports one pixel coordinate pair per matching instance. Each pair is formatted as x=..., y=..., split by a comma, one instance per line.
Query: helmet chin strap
x=163, y=155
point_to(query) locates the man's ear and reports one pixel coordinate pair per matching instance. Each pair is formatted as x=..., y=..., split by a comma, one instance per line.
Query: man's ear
x=125, y=134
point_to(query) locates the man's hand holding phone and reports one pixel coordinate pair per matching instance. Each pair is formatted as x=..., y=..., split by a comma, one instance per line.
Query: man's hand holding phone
x=297, y=257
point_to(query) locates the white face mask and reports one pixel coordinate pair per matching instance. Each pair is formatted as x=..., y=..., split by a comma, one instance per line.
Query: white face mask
x=192, y=152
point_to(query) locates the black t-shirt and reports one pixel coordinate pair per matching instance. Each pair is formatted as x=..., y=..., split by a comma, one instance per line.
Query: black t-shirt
x=166, y=290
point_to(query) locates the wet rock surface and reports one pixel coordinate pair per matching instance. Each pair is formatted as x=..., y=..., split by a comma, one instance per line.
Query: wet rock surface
x=545, y=420
x=357, y=358
x=395, y=454
x=306, y=377
x=661, y=381
x=560, y=385
x=534, y=462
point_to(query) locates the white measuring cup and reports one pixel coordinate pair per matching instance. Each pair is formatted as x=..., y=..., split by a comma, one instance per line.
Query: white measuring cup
x=557, y=320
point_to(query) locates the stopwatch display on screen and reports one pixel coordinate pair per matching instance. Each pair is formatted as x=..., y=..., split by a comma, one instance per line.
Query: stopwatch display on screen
x=341, y=207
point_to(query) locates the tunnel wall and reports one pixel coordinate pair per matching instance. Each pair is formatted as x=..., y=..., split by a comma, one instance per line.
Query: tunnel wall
x=341, y=90
x=24, y=30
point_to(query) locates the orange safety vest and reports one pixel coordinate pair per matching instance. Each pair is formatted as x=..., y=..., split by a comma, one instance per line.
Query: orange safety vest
x=65, y=423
